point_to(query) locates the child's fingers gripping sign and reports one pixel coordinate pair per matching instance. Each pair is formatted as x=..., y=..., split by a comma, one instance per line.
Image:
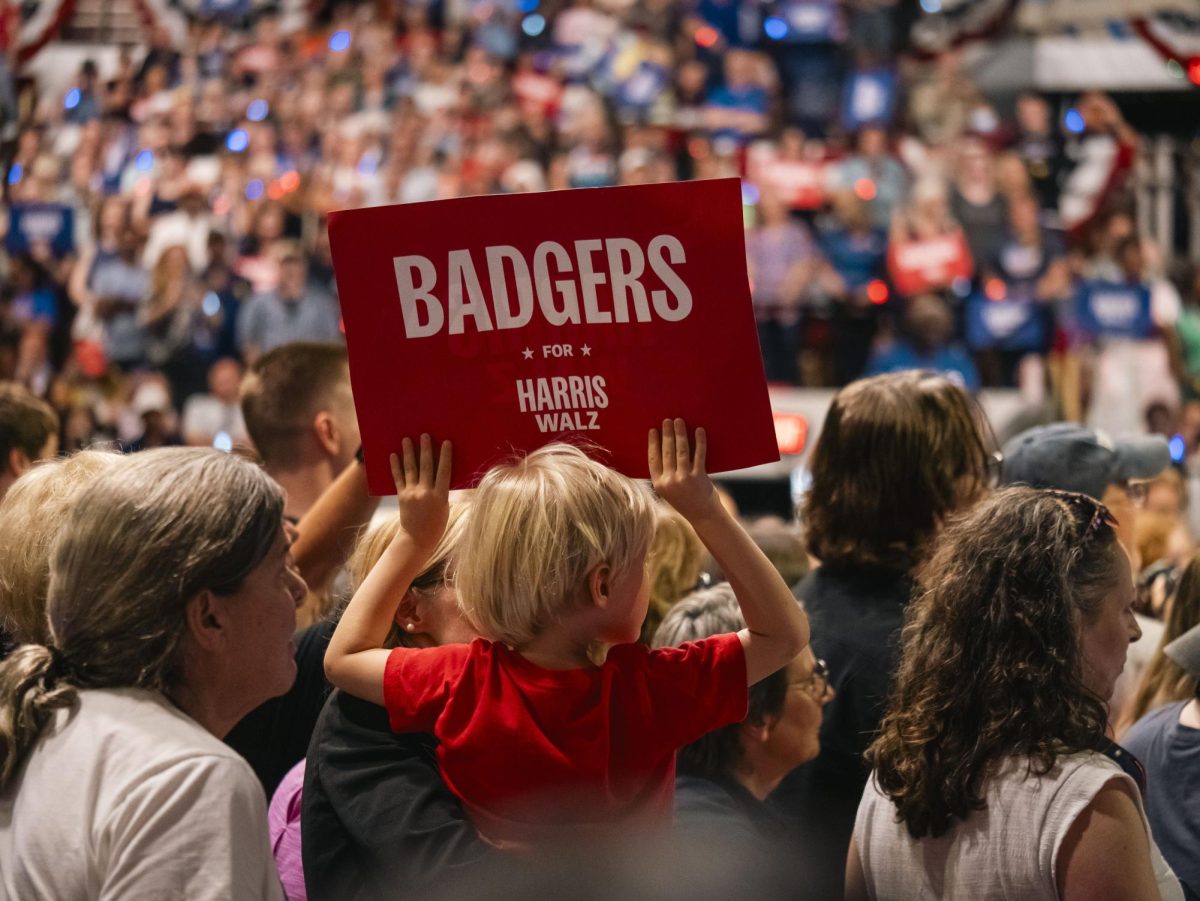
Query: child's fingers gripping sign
x=422, y=488
x=678, y=475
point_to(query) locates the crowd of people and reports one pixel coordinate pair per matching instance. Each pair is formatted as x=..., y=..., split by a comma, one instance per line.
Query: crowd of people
x=964, y=671
x=967, y=667
x=166, y=212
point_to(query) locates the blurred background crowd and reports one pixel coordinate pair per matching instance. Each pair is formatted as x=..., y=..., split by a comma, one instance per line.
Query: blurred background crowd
x=166, y=195
x=1018, y=213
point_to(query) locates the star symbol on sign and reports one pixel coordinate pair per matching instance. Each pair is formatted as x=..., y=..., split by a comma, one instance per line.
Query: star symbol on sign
x=587, y=351
x=527, y=354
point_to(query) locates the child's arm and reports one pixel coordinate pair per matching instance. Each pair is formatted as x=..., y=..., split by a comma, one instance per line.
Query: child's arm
x=355, y=660
x=776, y=627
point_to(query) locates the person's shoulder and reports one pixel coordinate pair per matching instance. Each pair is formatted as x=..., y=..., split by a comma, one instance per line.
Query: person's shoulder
x=704, y=807
x=350, y=728
x=137, y=738
x=446, y=658
x=129, y=715
x=1153, y=724
x=696, y=796
x=1077, y=775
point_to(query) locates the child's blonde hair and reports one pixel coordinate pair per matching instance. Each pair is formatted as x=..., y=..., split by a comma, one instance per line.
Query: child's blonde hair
x=538, y=525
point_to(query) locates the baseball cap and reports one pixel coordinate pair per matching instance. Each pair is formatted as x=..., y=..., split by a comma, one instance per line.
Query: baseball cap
x=1069, y=457
x=1185, y=650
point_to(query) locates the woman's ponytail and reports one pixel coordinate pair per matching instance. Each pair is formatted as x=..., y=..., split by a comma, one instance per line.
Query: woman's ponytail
x=34, y=682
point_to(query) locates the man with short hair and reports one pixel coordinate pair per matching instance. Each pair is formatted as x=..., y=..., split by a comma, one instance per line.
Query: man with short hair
x=294, y=311
x=299, y=411
x=1069, y=457
x=215, y=419
x=28, y=432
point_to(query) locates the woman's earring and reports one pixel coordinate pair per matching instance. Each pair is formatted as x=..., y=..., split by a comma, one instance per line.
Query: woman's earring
x=411, y=627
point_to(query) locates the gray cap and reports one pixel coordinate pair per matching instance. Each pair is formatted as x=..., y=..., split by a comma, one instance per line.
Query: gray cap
x=1069, y=457
x=1185, y=650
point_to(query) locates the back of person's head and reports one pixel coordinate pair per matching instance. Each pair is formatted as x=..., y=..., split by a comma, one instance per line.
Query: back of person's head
x=142, y=540
x=675, y=561
x=1165, y=680
x=992, y=665
x=26, y=425
x=32, y=514
x=285, y=389
x=439, y=568
x=715, y=611
x=781, y=542
x=539, y=525
x=783, y=546
x=897, y=454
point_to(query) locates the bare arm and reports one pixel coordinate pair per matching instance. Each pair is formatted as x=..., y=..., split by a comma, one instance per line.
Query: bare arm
x=776, y=626
x=330, y=528
x=1105, y=855
x=856, y=879
x=356, y=659
x=77, y=287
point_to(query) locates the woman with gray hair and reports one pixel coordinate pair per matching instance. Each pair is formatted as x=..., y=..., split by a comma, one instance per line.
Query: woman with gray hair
x=171, y=611
x=724, y=778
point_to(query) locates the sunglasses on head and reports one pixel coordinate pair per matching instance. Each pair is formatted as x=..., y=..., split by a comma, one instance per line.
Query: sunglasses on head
x=1098, y=514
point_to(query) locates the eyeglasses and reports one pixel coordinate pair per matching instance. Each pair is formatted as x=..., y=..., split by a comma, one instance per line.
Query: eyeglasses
x=995, y=466
x=818, y=683
x=1098, y=514
x=1135, y=491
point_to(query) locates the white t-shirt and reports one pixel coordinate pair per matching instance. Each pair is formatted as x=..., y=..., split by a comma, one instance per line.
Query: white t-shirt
x=205, y=415
x=1006, y=852
x=126, y=797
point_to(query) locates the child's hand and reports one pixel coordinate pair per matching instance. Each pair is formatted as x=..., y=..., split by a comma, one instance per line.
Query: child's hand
x=678, y=477
x=423, y=494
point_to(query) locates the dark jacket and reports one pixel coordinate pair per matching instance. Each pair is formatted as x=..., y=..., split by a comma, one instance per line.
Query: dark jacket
x=377, y=819
x=856, y=613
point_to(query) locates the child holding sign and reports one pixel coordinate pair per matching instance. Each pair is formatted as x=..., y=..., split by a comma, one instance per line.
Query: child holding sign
x=557, y=721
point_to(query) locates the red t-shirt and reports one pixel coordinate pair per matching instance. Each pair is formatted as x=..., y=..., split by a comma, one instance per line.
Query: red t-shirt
x=534, y=752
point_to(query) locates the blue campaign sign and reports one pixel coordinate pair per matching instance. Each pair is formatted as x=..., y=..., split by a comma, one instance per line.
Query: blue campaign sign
x=1115, y=310
x=869, y=99
x=1008, y=324
x=803, y=21
x=31, y=223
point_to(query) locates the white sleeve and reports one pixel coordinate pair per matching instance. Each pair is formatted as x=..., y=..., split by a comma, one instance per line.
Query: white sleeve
x=193, y=416
x=195, y=829
x=1165, y=305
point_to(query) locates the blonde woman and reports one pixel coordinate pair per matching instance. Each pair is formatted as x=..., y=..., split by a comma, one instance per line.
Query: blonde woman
x=169, y=318
x=342, y=833
x=32, y=515
x=675, y=560
x=1164, y=681
x=559, y=719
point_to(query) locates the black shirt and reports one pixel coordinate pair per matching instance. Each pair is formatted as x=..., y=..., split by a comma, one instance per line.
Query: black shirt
x=377, y=820
x=855, y=613
x=722, y=808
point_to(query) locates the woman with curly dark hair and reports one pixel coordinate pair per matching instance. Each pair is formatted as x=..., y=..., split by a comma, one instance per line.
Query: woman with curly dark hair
x=994, y=776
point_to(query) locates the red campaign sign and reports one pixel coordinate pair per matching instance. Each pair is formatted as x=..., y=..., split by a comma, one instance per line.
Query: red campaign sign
x=800, y=183
x=505, y=322
x=929, y=264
